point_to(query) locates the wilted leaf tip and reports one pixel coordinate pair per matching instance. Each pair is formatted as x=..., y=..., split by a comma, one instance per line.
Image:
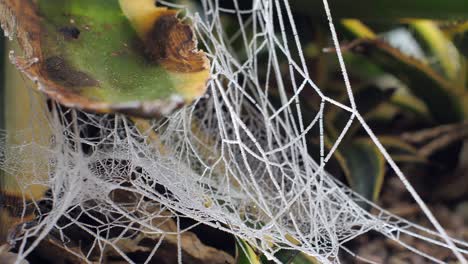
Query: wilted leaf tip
x=167, y=40
x=60, y=71
x=174, y=45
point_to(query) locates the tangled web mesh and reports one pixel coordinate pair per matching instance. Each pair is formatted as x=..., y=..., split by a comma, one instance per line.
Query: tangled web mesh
x=233, y=160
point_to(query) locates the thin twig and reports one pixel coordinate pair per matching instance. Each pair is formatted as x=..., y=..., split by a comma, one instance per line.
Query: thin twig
x=427, y=134
x=443, y=141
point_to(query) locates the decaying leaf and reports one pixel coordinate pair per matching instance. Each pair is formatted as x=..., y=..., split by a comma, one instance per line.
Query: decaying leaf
x=7, y=257
x=108, y=56
x=192, y=249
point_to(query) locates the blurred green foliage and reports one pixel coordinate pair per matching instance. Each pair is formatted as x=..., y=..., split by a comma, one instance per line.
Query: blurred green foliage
x=426, y=91
x=437, y=80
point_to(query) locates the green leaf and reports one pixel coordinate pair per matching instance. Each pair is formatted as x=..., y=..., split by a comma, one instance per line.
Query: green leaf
x=245, y=254
x=444, y=99
x=408, y=102
x=458, y=32
x=364, y=167
x=295, y=257
x=92, y=56
x=401, y=98
x=357, y=29
x=303, y=258
x=290, y=256
x=285, y=256
x=440, y=47
x=361, y=163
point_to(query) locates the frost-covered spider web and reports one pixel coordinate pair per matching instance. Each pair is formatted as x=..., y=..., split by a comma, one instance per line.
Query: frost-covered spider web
x=238, y=159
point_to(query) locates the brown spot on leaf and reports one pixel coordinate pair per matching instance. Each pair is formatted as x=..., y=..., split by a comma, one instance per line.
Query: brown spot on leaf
x=59, y=70
x=14, y=205
x=70, y=32
x=107, y=26
x=173, y=44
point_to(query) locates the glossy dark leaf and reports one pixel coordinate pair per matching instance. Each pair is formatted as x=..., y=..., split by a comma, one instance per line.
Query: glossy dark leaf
x=364, y=167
